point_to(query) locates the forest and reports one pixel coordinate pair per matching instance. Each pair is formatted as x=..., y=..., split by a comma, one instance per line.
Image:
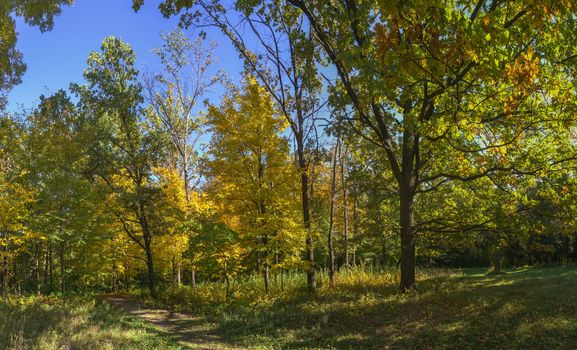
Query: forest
x=389, y=174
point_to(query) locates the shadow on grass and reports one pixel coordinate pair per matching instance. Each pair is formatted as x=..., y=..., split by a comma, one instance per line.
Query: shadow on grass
x=74, y=323
x=531, y=308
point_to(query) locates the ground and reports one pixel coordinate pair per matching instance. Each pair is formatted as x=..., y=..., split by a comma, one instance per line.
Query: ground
x=187, y=330
x=525, y=308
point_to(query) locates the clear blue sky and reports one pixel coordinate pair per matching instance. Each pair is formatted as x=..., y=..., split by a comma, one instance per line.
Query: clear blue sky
x=57, y=58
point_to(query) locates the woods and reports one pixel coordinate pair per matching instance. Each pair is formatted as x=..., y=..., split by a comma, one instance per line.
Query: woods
x=358, y=138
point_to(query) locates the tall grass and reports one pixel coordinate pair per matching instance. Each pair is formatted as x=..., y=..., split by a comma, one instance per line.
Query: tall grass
x=248, y=290
x=72, y=322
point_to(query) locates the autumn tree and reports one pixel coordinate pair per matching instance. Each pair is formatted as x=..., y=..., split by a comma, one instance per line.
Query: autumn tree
x=282, y=58
x=15, y=198
x=121, y=152
x=175, y=95
x=251, y=173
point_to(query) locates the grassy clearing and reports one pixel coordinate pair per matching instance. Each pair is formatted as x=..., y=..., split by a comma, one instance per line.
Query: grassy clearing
x=526, y=308
x=73, y=322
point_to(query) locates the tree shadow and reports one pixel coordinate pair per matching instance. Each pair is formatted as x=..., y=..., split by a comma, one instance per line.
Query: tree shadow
x=522, y=309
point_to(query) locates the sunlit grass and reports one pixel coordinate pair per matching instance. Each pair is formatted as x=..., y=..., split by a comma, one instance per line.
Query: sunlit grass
x=525, y=308
x=73, y=322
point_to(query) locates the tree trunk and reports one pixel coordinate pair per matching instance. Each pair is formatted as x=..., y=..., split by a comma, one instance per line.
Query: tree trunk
x=575, y=249
x=227, y=295
x=276, y=261
x=150, y=267
x=311, y=278
x=62, y=269
x=193, y=278
x=407, y=240
x=4, y=268
x=178, y=273
x=37, y=263
x=355, y=228
x=266, y=277
x=345, y=211
x=51, y=268
x=497, y=260
x=332, y=215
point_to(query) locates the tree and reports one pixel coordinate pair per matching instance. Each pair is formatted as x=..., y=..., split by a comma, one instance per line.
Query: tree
x=430, y=84
x=120, y=152
x=173, y=96
x=283, y=60
x=15, y=198
x=250, y=171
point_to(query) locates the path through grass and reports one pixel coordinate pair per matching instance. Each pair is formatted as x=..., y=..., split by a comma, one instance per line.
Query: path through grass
x=74, y=322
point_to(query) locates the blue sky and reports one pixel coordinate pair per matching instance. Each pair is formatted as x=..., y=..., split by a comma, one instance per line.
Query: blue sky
x=57, y=58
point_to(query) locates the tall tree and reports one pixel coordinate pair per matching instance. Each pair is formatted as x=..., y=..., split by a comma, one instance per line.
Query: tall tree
x=121, y=151
x=251, y=171
x=282, y=57
x=430, y=83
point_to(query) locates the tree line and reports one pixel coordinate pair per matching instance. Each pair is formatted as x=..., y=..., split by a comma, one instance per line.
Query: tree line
x=375, y=133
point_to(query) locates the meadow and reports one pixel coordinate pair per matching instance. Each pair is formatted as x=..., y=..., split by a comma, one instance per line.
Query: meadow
x=523, y=308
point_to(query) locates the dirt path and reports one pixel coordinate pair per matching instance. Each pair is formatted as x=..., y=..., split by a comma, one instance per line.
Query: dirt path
x=190, y=331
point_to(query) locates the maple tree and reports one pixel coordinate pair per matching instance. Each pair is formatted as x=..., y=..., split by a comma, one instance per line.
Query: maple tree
x=251, y=173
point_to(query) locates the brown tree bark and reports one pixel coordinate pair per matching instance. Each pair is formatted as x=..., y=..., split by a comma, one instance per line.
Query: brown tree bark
x=62, y=269
x=332, y=277
x=345, y=210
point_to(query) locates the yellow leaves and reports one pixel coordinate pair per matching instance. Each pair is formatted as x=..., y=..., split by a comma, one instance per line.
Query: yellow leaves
x=172, y=186
x=486, y=22
x=472, y=55
x=524, y=70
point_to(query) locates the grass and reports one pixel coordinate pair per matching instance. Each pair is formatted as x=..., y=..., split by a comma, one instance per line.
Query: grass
x=525, y=308
x=73, y=322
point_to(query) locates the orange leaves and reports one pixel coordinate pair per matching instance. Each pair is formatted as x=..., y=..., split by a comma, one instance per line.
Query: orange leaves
x=486, y=22
x=524, y=70
x=385, y=39
x=522, y=74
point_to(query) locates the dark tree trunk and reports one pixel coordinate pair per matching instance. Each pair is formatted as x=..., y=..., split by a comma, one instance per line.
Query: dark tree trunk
x=150, y=267
x=332, y=216
x=355, y=228
x=311, y=278
x=4, y=268
x=50, y=268
x=37, y=263
x=345, y=211
x=227, y=295
x=62, y=269
x=407, y=241
x=497, y=260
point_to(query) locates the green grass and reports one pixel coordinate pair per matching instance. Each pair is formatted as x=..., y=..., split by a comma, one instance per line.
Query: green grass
x=526, y=308
x=73, y=322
